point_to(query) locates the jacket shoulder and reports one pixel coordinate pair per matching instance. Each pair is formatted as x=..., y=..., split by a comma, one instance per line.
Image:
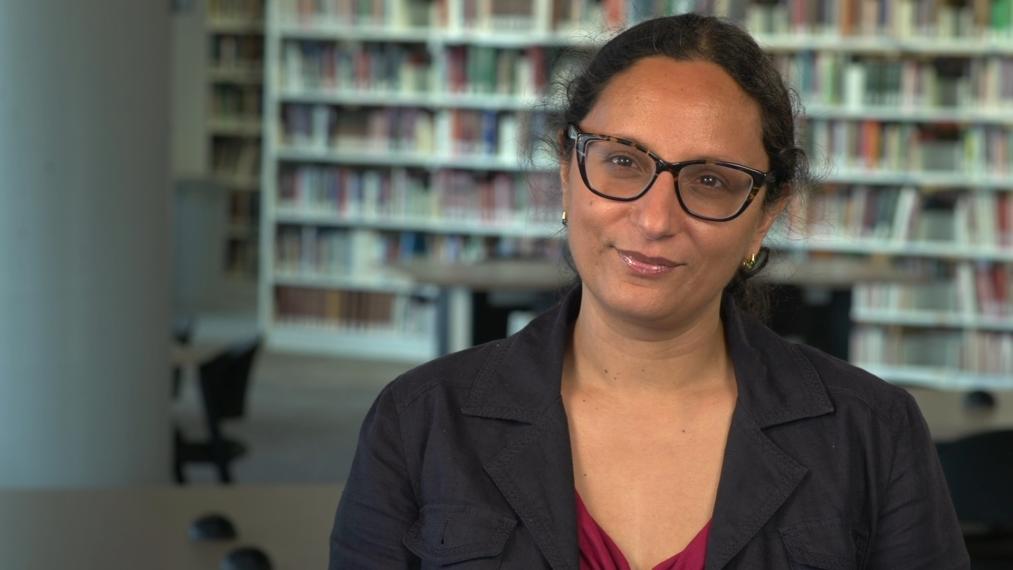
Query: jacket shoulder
x=848, y=383
x=453, y=372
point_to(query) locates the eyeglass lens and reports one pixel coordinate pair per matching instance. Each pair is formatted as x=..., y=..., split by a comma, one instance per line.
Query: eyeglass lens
x=622, y=171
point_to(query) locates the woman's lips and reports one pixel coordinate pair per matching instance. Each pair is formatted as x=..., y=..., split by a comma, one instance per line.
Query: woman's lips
x=645, y=264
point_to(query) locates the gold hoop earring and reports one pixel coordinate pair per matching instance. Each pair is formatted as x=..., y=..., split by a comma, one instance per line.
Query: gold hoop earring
x=750, y=263
x=562, y=218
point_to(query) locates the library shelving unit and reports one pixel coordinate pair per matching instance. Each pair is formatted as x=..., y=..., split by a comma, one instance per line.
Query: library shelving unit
x=910, y=104
x=402, y=130
x=235, y=89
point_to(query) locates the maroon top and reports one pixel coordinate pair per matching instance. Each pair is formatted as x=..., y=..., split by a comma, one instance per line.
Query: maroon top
x=598, y=552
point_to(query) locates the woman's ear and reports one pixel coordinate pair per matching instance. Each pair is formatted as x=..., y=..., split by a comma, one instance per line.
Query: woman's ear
x=564, y=176
x=769, y=214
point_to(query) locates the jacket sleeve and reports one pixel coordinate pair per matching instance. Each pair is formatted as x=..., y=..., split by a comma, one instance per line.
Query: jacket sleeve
x=917, y=526
x=378, y=504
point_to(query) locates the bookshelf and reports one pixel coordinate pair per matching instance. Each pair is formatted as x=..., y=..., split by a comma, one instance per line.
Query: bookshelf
x=233, y=127
x=398, y=133
x=910, y=103
x=401, y=131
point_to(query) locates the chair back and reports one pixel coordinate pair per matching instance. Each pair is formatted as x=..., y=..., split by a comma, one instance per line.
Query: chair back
x=979, y=472
x=224, y=381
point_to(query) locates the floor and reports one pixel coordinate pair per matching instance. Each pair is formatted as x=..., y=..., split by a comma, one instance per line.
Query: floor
x=305, y=411
x=302, y=421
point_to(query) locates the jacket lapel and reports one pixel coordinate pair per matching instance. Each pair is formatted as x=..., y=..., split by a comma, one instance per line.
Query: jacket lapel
x=756, y=479
x=544, y=503
x=776, y=385
x=519, y=389
x=533, y=469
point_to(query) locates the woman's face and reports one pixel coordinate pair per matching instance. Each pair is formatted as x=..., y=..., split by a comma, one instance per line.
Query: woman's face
x=648, y=261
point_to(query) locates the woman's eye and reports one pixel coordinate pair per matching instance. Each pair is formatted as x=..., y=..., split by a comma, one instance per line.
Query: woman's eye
x=710, y=181
x=622, y=161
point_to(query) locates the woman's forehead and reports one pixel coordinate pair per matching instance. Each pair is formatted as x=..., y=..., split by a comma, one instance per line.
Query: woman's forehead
x=679, y=106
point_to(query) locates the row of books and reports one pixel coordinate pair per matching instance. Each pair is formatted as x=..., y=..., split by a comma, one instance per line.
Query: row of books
x=498, y=15
x=819, y=76
x=953, y=350
x=399, y=193
x=236, y=101
x=235, y=51
x=457, y=132
x=342, y=252
x=393, y=13
x=235, y=158
x=980, y=219
x=236, y=9
x=968, y=288
x=899, y=18
x=244, y=208
x=353, y=310
x=407, y=68
x=896, y=18
x=857, y=81
x=241, y=256
x=356, y=66
x=974, y=149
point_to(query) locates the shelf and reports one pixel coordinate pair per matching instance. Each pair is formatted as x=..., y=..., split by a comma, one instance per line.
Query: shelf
x=931, y=319
x=429, y=225
x=923, y=179
x=975, y=46
x=244, y=75
x=247, y=128
x=378, y=281
x=336, y=341
x=239, y=230
x=408, y=99
x=897, y=248
x=939, y=377
x=433, y=36
x=382, y=157
x=237, y=183
x=223, y=25
x=919, y=114
x=322, y=30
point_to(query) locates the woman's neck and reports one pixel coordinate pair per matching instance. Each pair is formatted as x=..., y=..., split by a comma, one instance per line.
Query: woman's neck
x=625, y=359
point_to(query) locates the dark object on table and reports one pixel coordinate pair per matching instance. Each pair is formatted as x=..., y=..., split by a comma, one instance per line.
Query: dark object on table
x=246, y=558
x=979, y=469
x=212, y=526
x=223, y=384
x=979, y=400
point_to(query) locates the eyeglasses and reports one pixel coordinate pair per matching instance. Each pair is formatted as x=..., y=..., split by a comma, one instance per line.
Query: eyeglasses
x=619, y=169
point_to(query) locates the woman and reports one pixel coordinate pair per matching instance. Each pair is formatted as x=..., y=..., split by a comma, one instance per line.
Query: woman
x=645, y=422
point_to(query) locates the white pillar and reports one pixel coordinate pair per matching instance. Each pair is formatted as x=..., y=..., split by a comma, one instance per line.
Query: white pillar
x=84, y=221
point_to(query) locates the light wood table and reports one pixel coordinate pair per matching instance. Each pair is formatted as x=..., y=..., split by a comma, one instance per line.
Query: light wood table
x=146, y=527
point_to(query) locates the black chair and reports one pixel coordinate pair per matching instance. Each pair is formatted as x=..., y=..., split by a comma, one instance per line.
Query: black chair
x=182, y=332
x=224, y=382
x=979, y=472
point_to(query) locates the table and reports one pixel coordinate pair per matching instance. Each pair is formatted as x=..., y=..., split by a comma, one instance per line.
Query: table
x=456, y=282
x=146, y=527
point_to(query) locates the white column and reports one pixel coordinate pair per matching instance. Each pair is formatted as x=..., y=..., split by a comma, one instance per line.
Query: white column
x=84, y=221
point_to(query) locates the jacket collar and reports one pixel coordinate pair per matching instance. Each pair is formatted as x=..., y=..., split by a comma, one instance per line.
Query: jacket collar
x=776, y=384
x=521, y=384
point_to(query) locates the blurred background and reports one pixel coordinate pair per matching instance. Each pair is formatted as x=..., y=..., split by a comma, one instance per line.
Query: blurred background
x=226, y=224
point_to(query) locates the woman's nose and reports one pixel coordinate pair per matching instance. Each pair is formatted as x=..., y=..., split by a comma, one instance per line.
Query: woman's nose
x=657, y=213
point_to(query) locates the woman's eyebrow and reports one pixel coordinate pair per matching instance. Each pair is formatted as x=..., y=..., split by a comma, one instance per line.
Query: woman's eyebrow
x=708, y=157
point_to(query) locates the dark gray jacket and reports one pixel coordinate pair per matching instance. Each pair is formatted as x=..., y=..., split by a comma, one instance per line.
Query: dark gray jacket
x=465, y=462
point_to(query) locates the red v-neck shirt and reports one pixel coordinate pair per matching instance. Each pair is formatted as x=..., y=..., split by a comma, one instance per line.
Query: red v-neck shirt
x=599, y=552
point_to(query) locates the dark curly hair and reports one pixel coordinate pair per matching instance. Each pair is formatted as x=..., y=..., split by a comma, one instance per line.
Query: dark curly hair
x=703, y=38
